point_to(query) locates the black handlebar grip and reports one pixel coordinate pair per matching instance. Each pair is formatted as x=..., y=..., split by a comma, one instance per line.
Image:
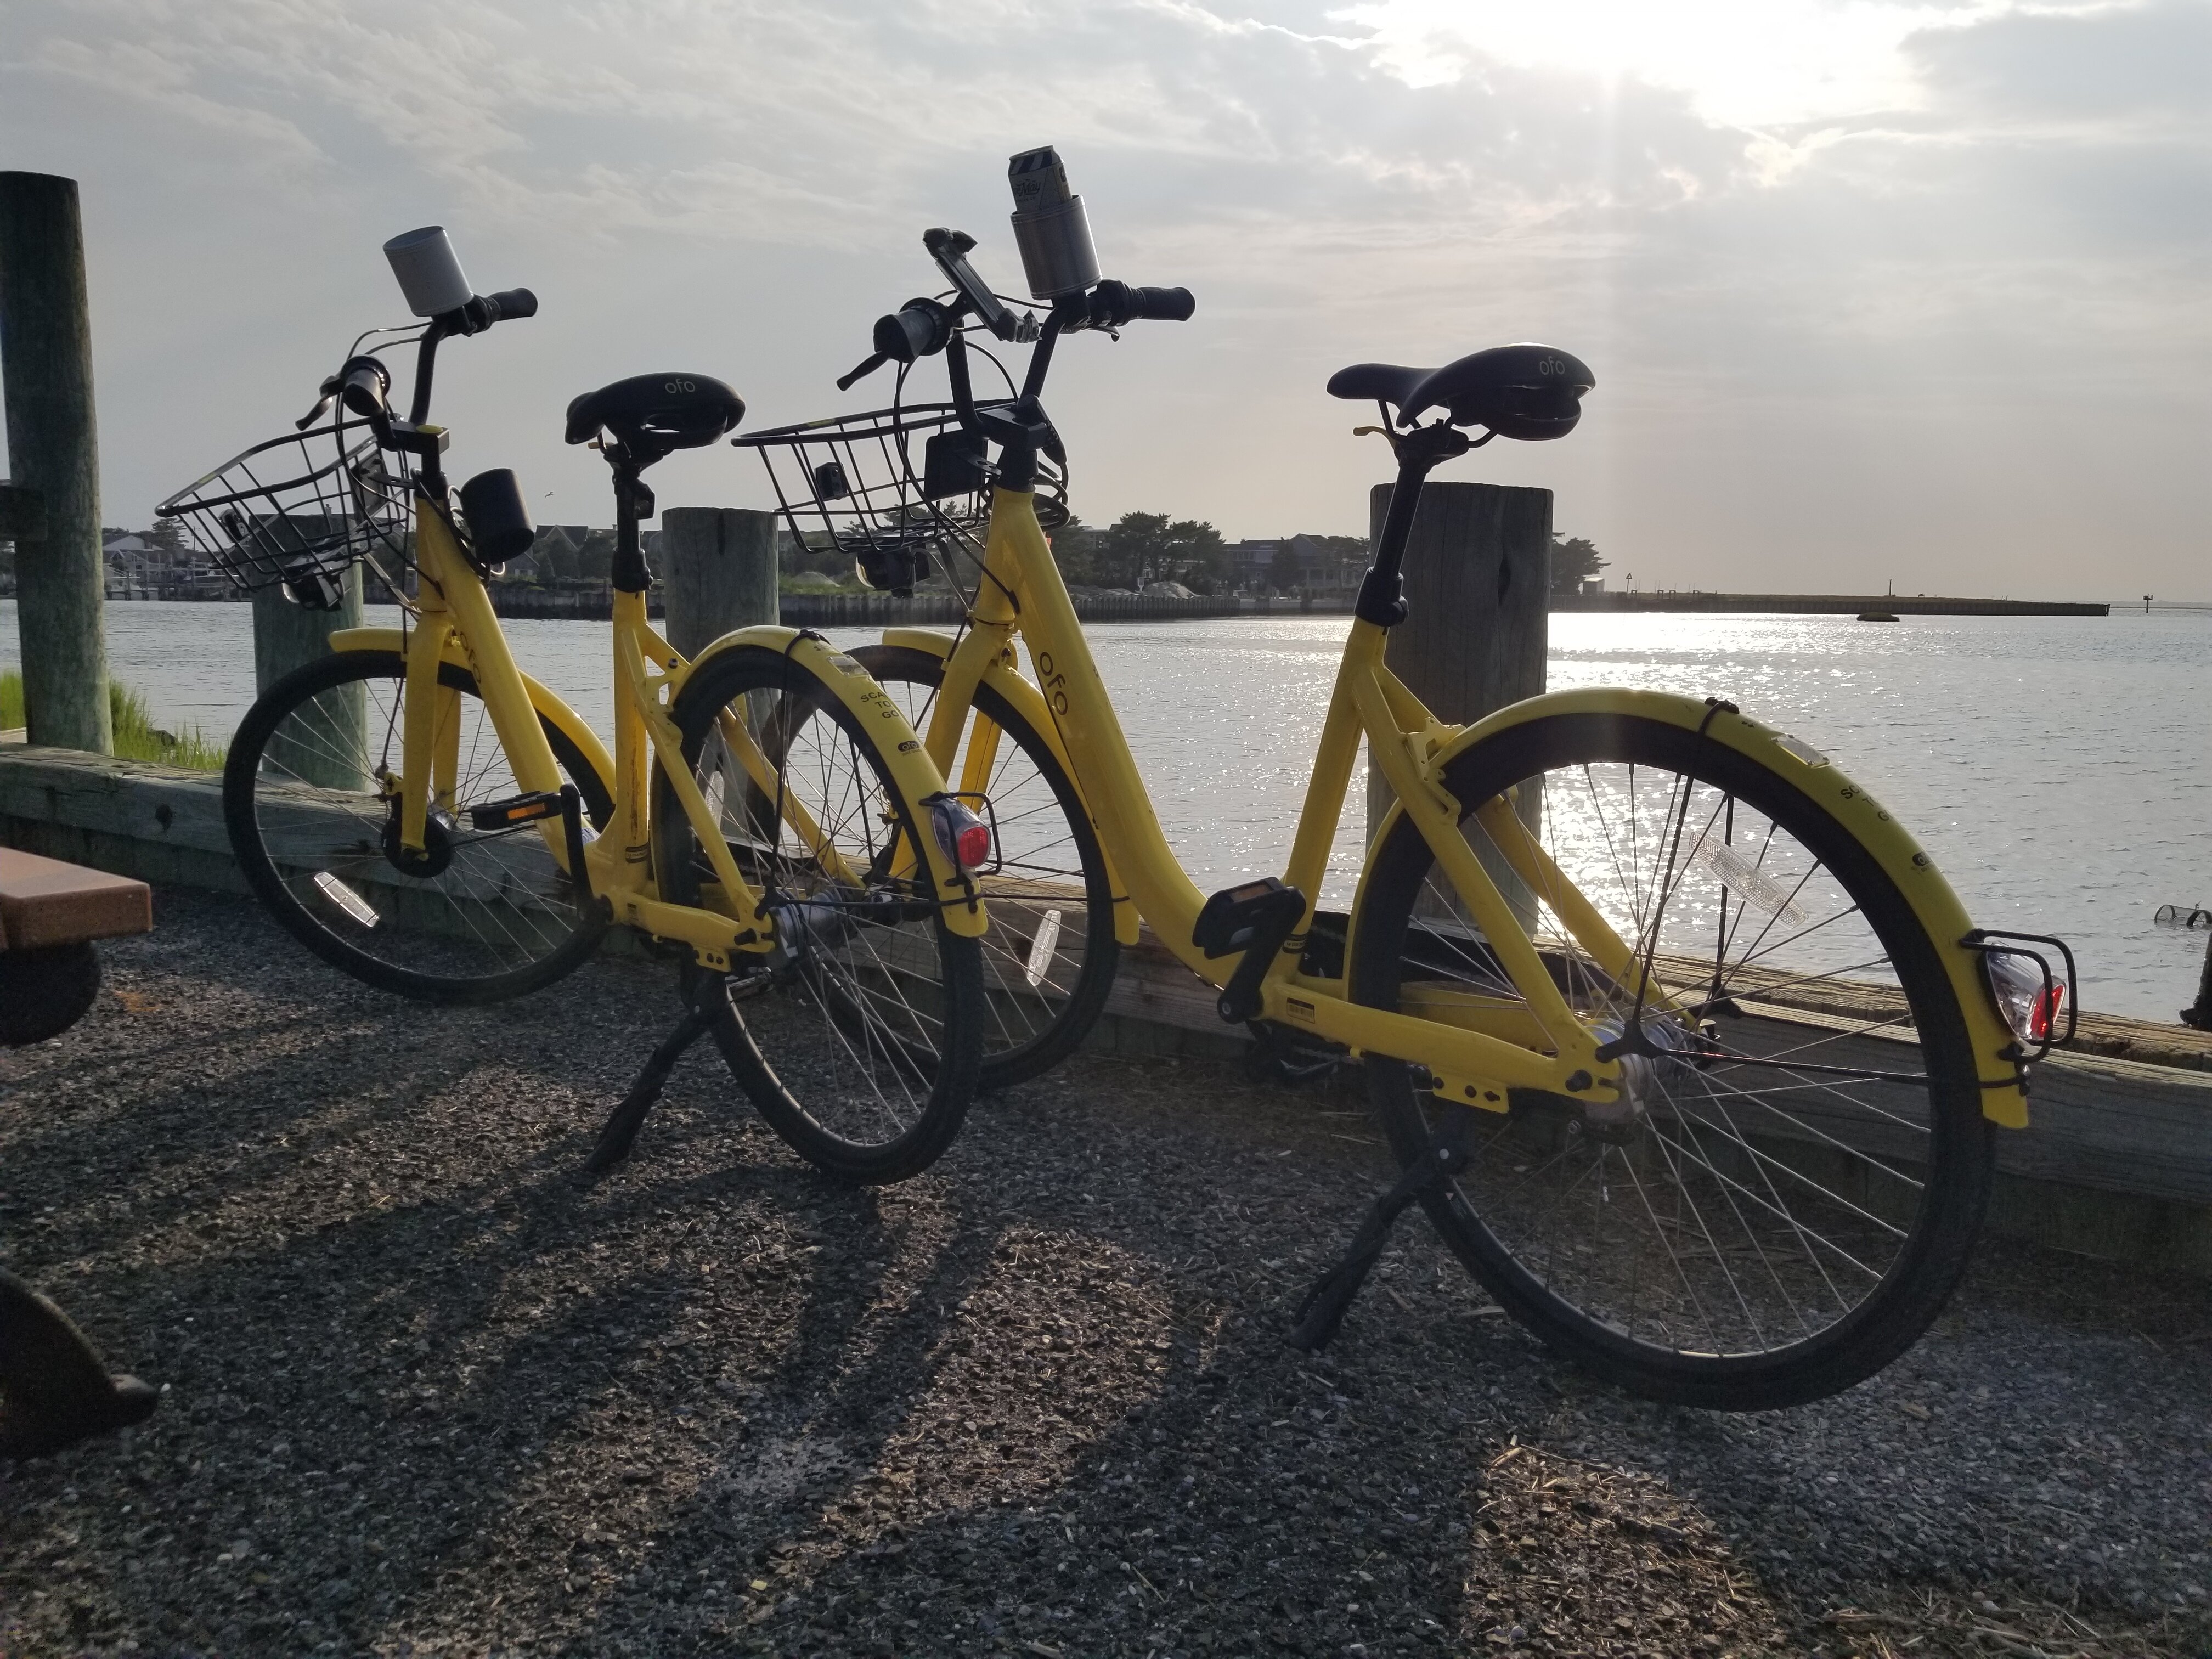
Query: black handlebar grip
x=363, y=387
x=512, y=302
x=1161, y=305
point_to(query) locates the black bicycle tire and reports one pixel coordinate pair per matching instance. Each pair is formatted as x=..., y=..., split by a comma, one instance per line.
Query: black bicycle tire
x=241, y=772
x=1101, y=948
x=712, y=687
x=1962, y=1153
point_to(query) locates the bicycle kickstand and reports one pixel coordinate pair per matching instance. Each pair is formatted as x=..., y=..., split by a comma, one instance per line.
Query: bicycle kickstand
x=1330, y=1296
x=623, y=1123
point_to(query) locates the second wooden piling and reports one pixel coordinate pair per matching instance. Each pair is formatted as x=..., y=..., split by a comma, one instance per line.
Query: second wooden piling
x=45, y=359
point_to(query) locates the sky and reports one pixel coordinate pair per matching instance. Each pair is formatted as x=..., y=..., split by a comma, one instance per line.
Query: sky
x=1874, y=292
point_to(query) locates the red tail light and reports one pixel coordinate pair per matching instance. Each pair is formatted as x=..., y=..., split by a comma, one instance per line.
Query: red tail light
x=964, y=834
x=2045, y=1018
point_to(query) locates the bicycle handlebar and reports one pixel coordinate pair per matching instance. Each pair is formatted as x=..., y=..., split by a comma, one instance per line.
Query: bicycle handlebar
x=1114, y=304
x=508, y=305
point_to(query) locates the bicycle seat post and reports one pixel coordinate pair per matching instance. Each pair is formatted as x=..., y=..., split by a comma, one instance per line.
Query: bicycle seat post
x=1383, y=592
x=633, y=502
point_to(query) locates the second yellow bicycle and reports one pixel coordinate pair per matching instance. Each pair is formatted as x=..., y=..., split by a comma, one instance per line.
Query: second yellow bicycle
x=1688, y=1050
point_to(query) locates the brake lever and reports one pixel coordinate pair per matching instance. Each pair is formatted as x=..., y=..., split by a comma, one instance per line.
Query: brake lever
x=322, y=406
x=874, y=361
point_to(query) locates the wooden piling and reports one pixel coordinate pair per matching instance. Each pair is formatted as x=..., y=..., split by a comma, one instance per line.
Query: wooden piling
x=717, y=572
x=23, y=513
x=45, y=360
x=1478, y=582
x=326, y=742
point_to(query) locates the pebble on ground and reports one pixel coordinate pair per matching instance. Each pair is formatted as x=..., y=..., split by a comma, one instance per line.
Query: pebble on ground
x=423, y=1393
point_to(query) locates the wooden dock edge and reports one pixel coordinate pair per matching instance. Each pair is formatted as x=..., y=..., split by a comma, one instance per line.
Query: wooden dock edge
x=2118, y=1165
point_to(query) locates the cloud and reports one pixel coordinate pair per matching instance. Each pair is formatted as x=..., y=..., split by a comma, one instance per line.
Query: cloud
x=1970, y=222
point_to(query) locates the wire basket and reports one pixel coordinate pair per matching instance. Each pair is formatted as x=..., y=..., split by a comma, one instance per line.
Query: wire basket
x=278, y=515
x=900, y=491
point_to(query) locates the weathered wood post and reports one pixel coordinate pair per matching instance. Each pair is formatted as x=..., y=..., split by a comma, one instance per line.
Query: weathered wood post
x=45, y=359
x=23, y=514
x=717, y=573
x=327, y=742
x=1478, y=586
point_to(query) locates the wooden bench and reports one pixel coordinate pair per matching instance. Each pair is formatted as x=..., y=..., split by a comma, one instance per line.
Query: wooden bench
x=50, y=914
x=55, y=1390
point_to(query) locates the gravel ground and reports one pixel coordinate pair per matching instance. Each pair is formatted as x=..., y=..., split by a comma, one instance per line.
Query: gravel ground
x=425, y=1393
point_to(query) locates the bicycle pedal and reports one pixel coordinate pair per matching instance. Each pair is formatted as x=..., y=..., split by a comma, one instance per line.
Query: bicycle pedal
x=1235, y=918
x=517, y=809
x=1256, y=918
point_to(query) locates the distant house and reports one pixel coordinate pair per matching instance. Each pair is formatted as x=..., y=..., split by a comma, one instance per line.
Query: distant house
x=1306, y=564
x=552, y=555
x=1251, y=563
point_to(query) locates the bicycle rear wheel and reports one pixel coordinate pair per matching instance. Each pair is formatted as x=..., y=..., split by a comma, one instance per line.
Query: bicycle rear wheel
x=1793, y=1183
x=860, y=1039
x=483, y=917
x=1049, y=958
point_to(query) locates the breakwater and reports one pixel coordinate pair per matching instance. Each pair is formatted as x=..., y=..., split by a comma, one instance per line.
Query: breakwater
x=1827, y=605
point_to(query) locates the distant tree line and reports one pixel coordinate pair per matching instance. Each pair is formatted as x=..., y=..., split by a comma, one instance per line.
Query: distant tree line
x=1135, y=549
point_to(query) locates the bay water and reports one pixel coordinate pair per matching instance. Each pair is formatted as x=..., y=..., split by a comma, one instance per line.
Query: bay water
x=2058, y=769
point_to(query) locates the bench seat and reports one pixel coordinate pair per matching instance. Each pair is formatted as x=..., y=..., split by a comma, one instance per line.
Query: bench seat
x=43, y=901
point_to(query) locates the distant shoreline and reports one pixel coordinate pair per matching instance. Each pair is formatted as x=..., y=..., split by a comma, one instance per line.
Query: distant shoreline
x=833, y=609
x=1830, y=604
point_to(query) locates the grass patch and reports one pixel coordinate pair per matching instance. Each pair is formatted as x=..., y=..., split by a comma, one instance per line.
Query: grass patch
x=137, y=737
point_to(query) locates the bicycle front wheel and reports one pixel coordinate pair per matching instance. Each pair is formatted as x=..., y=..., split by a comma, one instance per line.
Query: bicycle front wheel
x=1049, y=958
x=480, y=916
x=860, y=1038
x=1792, y=1181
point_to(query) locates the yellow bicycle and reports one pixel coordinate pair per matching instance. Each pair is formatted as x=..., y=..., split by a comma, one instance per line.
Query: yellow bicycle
x=1687, y=1048
x=420, y=812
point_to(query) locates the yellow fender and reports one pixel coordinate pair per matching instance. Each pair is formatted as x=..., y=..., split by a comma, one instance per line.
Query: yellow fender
x=555, y=713
x=2003, y=1099
x=1029, y=702
x=913, y=771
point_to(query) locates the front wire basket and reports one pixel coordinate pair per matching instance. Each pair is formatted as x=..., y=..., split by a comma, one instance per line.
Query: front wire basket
x=281, y=514
x=900, y=491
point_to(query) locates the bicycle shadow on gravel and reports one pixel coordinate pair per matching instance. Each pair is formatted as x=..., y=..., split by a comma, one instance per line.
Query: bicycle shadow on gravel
x=365, y=1375
x=1437, y=1480
x=941, y=1416
x=357, y=1406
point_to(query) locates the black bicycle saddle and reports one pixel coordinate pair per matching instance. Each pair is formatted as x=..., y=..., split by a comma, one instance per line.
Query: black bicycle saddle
x=652, y=414
x=1528, y=392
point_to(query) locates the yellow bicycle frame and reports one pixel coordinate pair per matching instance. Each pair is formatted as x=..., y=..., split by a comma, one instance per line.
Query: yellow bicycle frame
x=1481, y=1053
x=455, y=624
